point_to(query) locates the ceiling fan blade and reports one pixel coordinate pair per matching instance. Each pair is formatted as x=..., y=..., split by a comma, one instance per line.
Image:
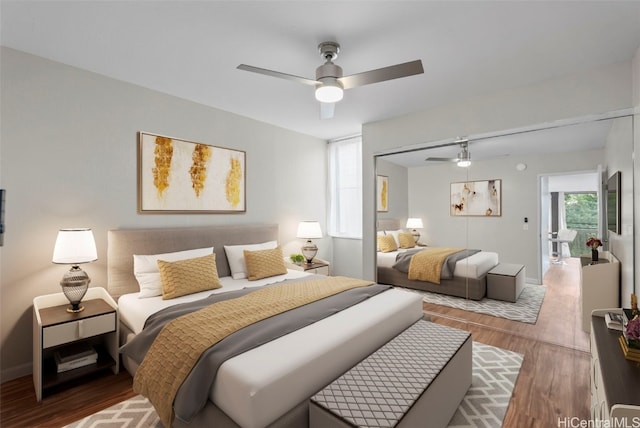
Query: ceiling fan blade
x=327, y=110
x=277, y=74
x=381, y=74
x=442, y=159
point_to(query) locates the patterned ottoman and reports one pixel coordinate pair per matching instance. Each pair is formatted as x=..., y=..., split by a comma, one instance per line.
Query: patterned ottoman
x=417, y=379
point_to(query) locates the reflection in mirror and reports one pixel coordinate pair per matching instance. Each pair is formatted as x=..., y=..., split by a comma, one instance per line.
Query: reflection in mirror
x=393, y=267
x=519, y=234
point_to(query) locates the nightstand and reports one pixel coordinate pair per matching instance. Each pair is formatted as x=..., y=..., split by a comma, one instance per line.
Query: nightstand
x=54, y=328
x=317, y=266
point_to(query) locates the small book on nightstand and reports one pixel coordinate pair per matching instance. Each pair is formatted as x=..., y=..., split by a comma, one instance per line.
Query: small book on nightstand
x=73, y=356
x=613, y=320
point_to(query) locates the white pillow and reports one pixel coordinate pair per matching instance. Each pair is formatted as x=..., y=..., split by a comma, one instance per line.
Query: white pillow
x=394, y=233
x=145, y=268
x=235, y=256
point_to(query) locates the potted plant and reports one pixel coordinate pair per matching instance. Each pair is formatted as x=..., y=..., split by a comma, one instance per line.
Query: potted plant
x=297, y=258
x=594, y=243
x=632, y=333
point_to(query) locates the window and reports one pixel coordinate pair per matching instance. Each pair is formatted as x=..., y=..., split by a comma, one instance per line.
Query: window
x=581, y=214
x=345, y=188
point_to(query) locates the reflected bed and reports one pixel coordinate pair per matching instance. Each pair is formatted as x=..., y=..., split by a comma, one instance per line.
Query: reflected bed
x=468, y=280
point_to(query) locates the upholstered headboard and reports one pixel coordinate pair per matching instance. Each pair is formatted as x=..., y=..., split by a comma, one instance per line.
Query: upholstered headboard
x=124, y=243
x=389, y=224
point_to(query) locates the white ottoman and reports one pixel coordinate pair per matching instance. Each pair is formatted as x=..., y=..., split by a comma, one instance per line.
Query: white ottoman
x=505, y=282
x=417, y=379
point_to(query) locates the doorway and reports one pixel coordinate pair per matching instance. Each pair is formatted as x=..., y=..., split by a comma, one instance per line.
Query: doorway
x=568, y=201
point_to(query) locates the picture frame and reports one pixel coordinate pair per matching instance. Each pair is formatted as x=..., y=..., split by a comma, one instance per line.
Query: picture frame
x=181, y=177
x=3, y=192
x=614, y=203
x=481, y=198
x=382, y=193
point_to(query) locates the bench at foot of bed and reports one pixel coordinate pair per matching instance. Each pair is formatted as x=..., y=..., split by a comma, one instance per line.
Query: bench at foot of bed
x=418, y=378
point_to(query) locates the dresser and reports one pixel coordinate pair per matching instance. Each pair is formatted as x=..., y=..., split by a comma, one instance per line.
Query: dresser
x=599, y=285
x=615, y=381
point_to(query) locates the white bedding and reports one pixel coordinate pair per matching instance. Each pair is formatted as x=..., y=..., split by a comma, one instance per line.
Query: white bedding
x=473, y=267
x=257, y=387
x=260, y=385
x=134, y=311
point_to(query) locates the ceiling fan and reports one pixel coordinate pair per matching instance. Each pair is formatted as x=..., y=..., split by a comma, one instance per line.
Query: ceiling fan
x=330, y=83
x=464, y=157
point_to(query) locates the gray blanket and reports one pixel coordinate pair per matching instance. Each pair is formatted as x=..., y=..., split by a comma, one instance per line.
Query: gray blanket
x=194, y=392
x=403, y=260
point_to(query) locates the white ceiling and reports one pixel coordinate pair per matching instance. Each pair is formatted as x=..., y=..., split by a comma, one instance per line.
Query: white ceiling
x=190, y=49
x=568, y=138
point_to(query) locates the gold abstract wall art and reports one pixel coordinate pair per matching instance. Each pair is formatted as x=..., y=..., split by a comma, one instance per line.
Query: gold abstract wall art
x=382, y=193
x=476, y=198
x=179, y=176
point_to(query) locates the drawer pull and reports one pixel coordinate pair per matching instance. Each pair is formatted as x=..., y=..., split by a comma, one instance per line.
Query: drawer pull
x=80, y=329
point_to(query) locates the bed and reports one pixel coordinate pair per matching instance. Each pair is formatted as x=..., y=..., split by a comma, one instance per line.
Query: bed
x=468, y=279
x=268, y=385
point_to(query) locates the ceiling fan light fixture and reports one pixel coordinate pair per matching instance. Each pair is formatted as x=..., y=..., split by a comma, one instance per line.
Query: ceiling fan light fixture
x=330, y=91
x=330, y=82
x=464, y=159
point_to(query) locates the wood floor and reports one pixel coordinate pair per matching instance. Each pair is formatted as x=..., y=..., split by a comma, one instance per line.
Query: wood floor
x=554, y=379
x=553, y=382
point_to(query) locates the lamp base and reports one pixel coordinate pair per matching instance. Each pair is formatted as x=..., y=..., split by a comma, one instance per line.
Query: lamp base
x=416, y=235
x=74, y=286
x=309, y=251
x=74, y=309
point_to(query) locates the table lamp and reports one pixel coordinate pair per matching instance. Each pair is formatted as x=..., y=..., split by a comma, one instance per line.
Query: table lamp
x=414, y=223
x=309, y=230
x=74, y=247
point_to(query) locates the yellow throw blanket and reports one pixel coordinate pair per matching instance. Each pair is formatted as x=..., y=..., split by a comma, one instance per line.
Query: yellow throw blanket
x=426, y=265
x=183, y=340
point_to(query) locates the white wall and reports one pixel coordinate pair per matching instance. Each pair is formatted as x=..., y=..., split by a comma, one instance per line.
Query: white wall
x=591, y=92
x=636, y=165
x=398, y=190
x=429, y=197
x=619, y=146
x=347, y=259
x=69, y=140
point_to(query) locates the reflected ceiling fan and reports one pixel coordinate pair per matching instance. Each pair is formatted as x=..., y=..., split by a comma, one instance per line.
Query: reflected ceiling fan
x=330, y=83
x=464, y=157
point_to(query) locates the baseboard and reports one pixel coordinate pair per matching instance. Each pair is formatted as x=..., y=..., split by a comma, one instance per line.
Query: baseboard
x=533, y=281
x=15, y=372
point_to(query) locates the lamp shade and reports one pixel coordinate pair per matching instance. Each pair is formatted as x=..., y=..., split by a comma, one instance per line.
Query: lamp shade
x=309, y=230
x=330, y=91
x=74, y=246
x=414, y=223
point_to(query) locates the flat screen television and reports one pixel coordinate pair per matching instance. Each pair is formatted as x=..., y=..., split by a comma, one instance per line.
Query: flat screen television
x=613, y=202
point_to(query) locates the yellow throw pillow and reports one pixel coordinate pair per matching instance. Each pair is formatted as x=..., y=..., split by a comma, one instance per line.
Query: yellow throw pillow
x=387, y=243
x=406, y=240
x=264, y=263
x=188, y=276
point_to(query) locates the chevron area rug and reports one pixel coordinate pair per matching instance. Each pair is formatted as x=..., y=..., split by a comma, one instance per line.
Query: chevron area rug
x=136, y=412
x=525, y=309
x=495, y=371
